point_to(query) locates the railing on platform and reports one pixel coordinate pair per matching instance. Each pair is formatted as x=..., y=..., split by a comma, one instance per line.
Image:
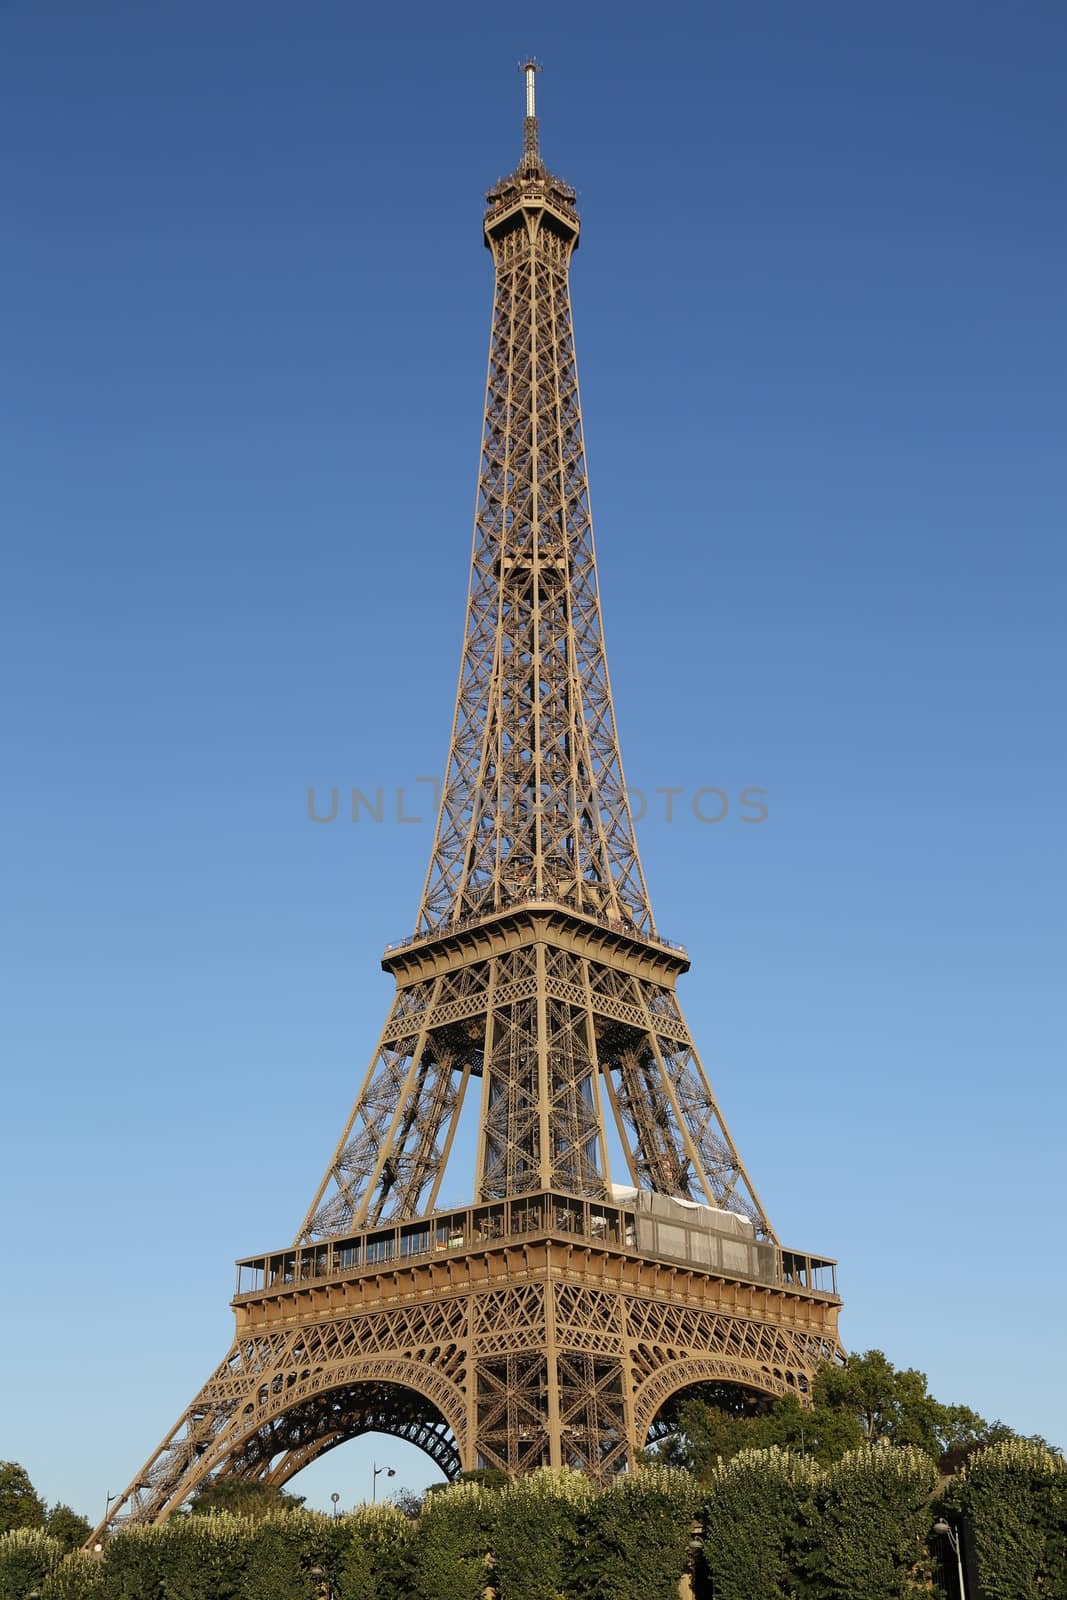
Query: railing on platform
x=513, y=1221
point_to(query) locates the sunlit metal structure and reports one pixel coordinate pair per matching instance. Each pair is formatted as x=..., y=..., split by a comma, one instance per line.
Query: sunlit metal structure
x=556, y=1318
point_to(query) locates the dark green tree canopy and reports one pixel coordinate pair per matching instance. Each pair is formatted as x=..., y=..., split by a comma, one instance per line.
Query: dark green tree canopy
x=20, y=1504
x=244, y=1498
x=867, y=1401
x=66, y=1526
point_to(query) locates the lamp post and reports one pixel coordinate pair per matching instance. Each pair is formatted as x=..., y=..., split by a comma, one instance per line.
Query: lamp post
x=335, y=1497
x=942, y=1527
x=390, y=1472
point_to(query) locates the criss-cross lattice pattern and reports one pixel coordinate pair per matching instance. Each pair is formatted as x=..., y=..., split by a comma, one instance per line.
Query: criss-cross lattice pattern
x=468, y=1374
x=554, y=1035
x=534, y=802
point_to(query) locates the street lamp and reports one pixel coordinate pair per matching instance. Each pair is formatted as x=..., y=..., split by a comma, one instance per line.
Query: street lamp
x=942, y=1527
x=335, y=1497
x=390, y=1472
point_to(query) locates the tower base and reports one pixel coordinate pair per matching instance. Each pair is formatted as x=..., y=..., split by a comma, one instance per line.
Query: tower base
x=538, y=1331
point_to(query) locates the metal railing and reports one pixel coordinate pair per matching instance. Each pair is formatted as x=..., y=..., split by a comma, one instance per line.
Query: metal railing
x=514, y=1221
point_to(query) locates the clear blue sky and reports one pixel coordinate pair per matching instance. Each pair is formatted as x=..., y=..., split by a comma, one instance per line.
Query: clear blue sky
x=821, y=329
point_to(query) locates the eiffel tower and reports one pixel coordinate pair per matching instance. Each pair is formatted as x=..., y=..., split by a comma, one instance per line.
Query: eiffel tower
x=557, y=1317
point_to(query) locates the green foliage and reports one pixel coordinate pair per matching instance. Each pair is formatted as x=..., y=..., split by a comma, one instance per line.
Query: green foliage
x=408, y=1501
x=709, y=1436
x=27, y=1556
x=488, y=1477
x=895, y=1407
x=873, y=1513
x=20, y=1504
x=66, y=1526
x=778, y=1527
x=536, y=1534
x=243, y=1497
x=757, y=1524
x=866, y=1401
x=448, y=1555
x=372, y=1557
x=1013, y=1497
x=277, y=1562
x=79, y=1577
x=187, y=1558
x=635, y=1536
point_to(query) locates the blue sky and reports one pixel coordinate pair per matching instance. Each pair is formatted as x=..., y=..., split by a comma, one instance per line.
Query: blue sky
x=821, y=331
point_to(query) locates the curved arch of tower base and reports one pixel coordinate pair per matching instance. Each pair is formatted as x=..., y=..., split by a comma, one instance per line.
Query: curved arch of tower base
x=553, y=1346
x=277, y=1452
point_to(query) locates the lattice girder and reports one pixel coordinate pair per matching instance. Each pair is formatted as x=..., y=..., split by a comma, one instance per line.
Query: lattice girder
x=557, y=1035
x=534, y=799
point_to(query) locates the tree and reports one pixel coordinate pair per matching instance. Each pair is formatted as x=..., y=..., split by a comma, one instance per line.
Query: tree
x=20, y=1504
x=277, y=1564
x=866, y=1401
x=1012, y=1497
x=708, y=1436
x=408, y=1501
x=959, y=1452
x=822, y=1434
x=66, y=1526
x=538, y=1533
x=244, y=1498
x=374, y=1551
x=895, y=1407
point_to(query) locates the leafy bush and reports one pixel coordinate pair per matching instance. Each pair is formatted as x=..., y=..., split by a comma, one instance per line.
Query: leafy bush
x=536, y=1534
x=873, y=1513
x=79, y=1577
x=757, y=1524
x=636, y=1535
x=1013, y=1497
x=27, y=1556
x=371, y=1558
x=277, y=1564
x=448, y=1556
x=187, y=1558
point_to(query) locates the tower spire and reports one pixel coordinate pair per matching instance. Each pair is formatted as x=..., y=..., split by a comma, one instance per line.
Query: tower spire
x=531, y=151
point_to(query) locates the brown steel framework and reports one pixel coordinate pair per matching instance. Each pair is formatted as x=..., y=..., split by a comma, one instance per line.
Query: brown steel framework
x=553, y=1320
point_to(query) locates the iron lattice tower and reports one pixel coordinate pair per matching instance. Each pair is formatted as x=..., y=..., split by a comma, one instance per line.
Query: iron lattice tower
x=554, y=1319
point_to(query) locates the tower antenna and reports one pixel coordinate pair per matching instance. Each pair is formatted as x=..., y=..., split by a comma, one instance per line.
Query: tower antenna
x=531, y=152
